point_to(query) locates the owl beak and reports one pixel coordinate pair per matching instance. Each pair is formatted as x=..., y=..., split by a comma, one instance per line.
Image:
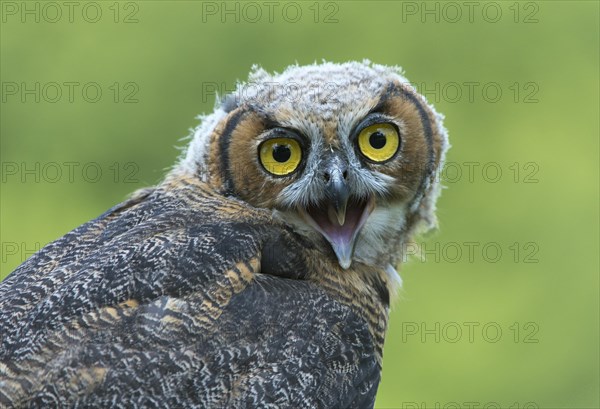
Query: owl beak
x=341, y=237
x=337, y=194
x=344, y=239
x=339, y=218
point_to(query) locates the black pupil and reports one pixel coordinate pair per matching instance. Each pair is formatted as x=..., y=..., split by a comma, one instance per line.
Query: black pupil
x=281, y=153
x=377, y=140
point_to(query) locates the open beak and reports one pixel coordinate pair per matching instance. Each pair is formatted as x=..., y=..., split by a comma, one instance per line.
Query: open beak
x=340, y=217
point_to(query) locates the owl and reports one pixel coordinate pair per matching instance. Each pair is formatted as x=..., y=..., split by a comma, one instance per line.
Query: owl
x=258, y=273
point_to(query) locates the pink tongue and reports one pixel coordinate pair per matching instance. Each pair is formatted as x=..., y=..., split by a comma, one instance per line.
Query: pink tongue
x=333, y=231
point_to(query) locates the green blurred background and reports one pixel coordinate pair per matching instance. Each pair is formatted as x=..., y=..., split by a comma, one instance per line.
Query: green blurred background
x=166, y=58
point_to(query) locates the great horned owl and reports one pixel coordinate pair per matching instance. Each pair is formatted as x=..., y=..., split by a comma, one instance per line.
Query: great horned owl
x=257, y=274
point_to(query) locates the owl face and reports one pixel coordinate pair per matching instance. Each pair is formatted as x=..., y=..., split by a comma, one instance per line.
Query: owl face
x=346, y=154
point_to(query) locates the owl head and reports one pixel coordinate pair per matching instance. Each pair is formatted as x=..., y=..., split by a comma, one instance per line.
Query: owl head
x=344, y=153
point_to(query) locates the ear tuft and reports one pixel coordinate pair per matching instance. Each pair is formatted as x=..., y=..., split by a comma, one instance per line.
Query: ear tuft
x=229, y=103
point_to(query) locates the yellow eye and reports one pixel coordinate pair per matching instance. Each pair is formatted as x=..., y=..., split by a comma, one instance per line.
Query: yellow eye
x=379, y=142
x=280, y=156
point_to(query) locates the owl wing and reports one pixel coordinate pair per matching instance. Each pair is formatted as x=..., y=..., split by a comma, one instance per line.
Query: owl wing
x=178, y=299
x=44, y=272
